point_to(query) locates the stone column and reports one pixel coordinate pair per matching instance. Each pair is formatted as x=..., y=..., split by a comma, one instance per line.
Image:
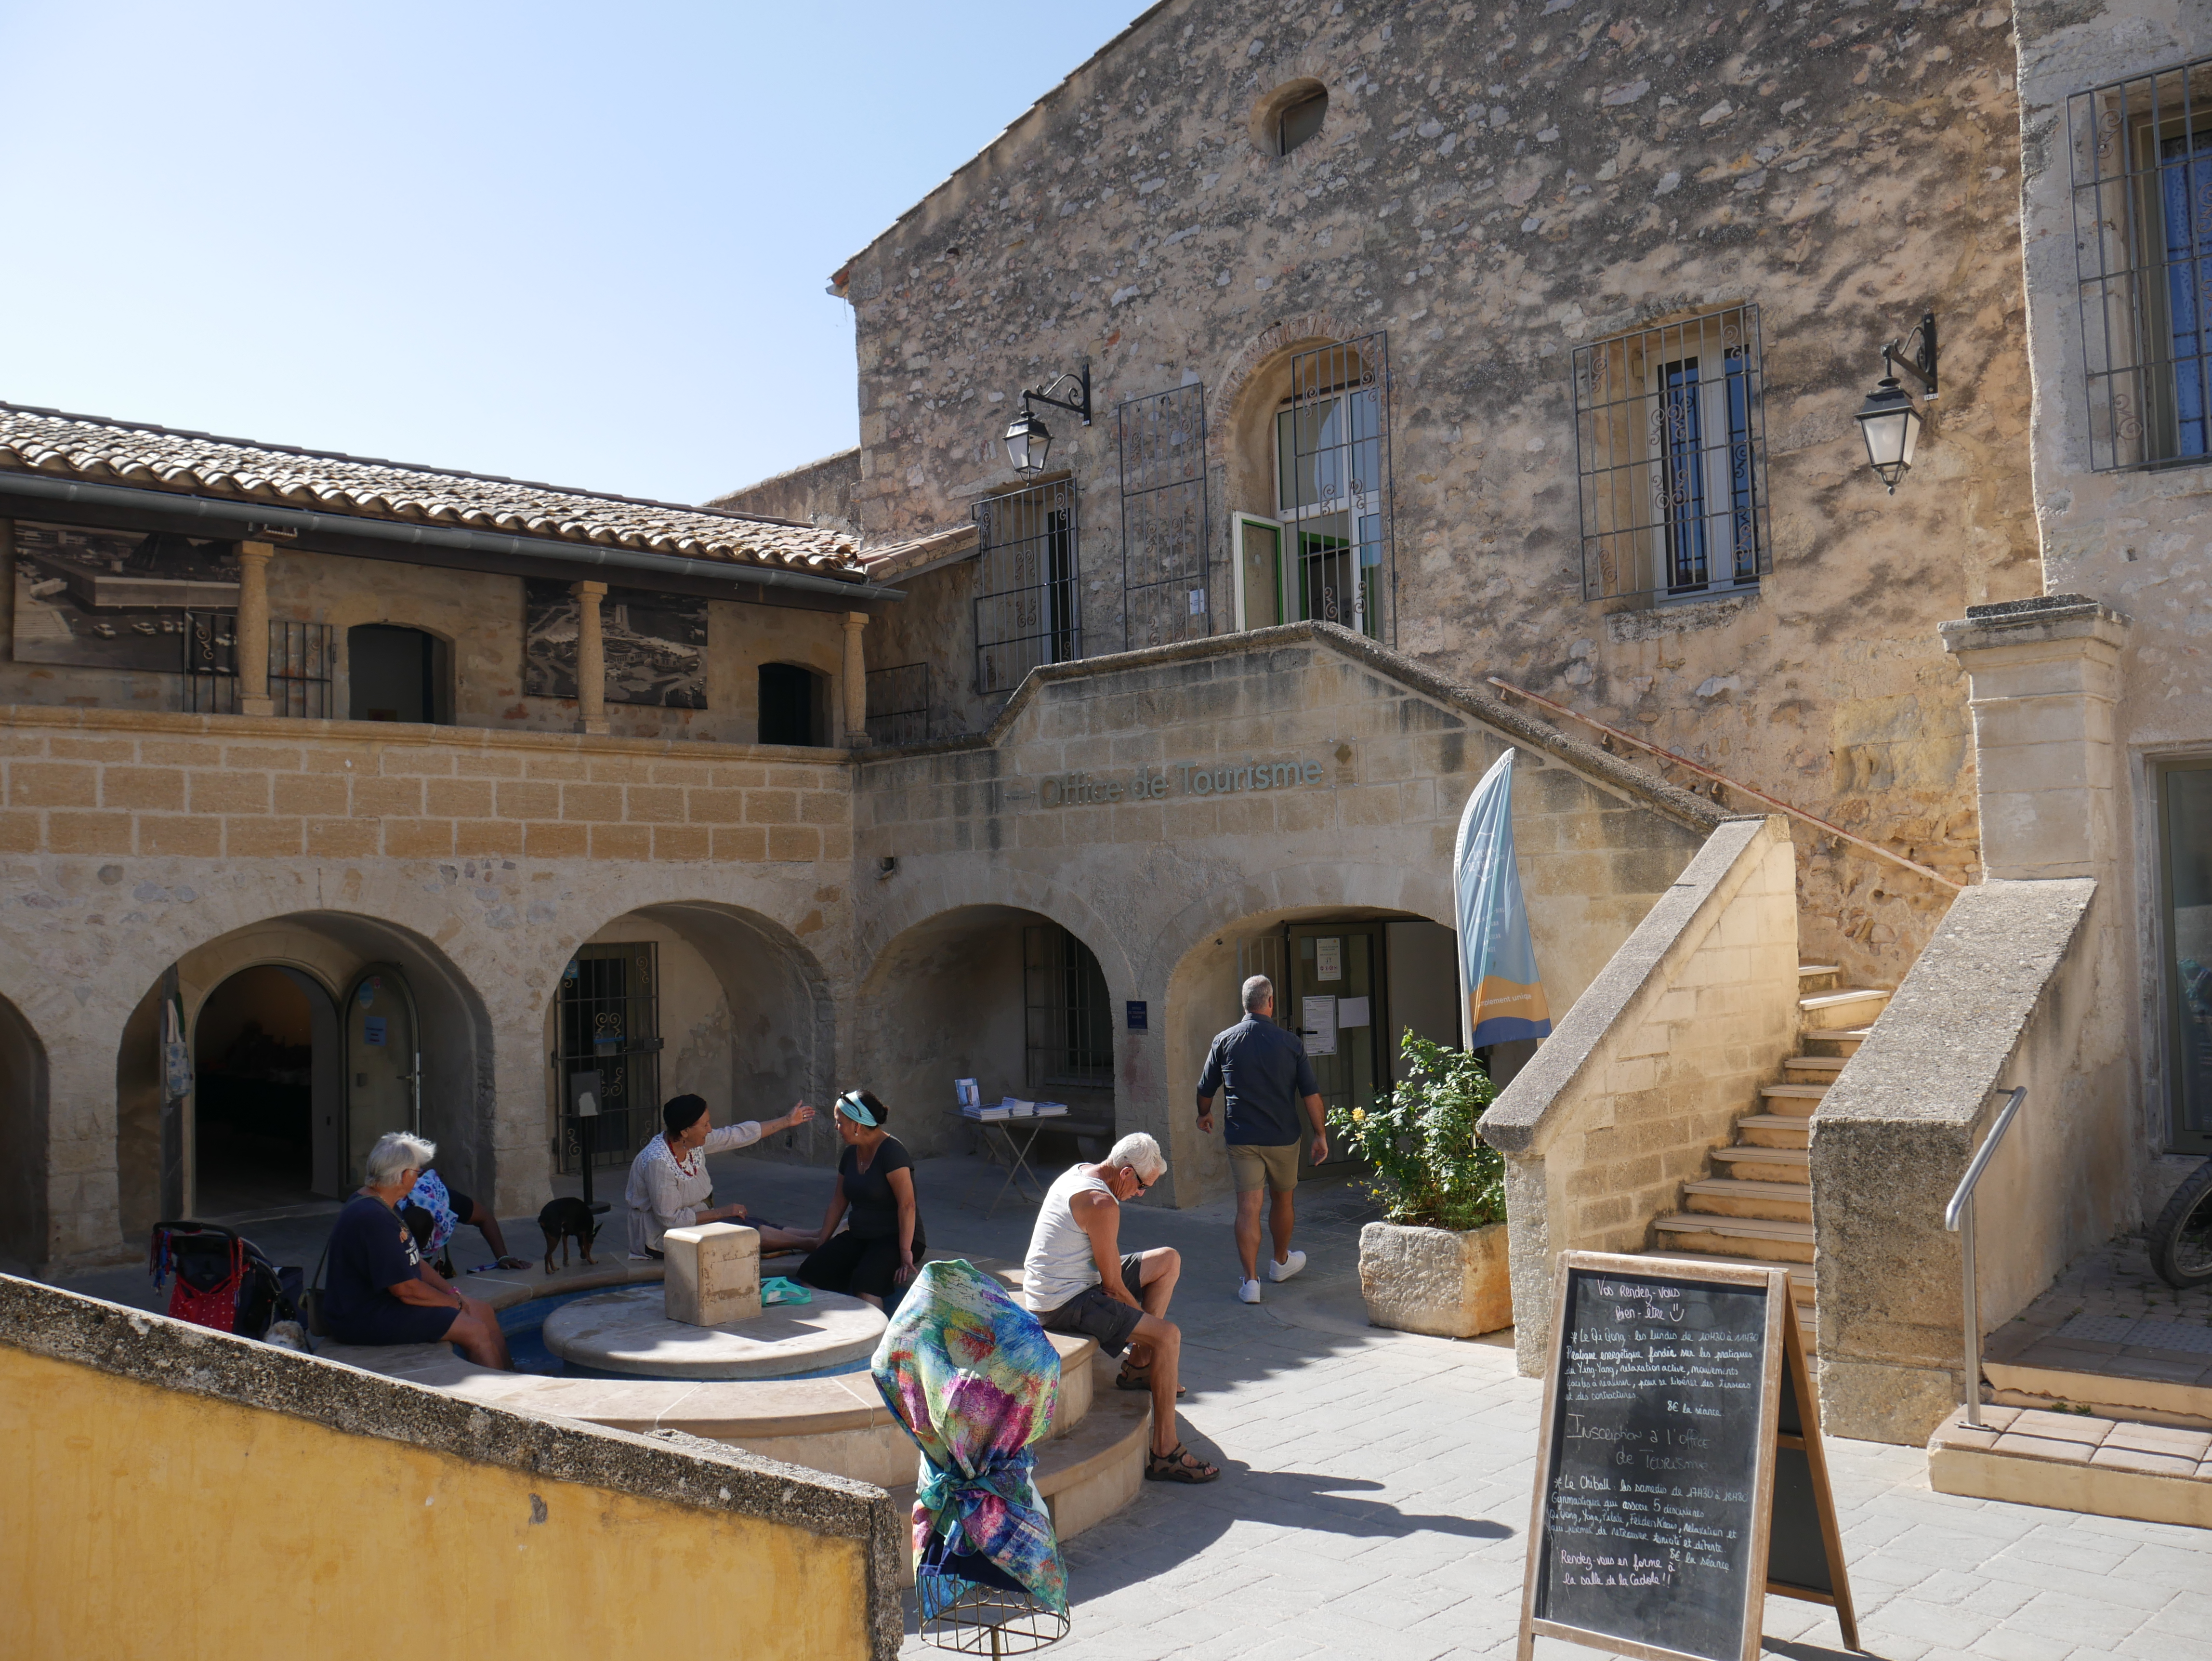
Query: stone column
x=2044, y=675
x=254, y=697
x=591, y=658
x=856, y=680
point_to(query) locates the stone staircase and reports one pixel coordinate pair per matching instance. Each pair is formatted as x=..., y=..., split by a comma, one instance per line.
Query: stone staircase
x=1756, y=1205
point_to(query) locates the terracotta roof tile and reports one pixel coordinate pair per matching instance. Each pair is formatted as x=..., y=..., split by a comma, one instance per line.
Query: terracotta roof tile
x=101, y=451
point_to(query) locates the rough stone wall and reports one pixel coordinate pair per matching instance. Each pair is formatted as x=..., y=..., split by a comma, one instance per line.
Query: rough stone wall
x=820, y=494
x=1493, y=185
x=2136, y=541
x=1094, y=805
x=1652, y=1068
x=479, y=616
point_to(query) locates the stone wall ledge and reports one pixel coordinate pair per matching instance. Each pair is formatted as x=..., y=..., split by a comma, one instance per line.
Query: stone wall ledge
x=1935, y=1054
x=153, y=1349
x=287, y=729
x=2034, y=621
x=1601, y=768
x=1523, y=1118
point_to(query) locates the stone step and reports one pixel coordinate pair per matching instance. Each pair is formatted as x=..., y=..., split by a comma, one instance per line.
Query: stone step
x=2076, y=1461
x=1792, y=1098
x=1814, y=1069
x=1084, y=1476
x=2147, y=1384
x=1744, y=1197
x=1842, y=1045
x=1850, y=1006
x=1763, y=1165
x=1769, y=1239
x=1817, y=977
x=1774, y=1131
x=1801, y=1275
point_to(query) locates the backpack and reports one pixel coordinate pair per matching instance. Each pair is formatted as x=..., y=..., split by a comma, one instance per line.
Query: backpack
x=224, y=1281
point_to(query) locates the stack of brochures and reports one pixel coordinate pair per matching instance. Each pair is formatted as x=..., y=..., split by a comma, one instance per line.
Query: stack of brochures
x=1012, y=1107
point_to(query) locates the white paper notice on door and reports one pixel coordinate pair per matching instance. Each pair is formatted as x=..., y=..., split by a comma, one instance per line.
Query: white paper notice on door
x=1328, y=958
x=1317, y=1025
x=1352, y=1011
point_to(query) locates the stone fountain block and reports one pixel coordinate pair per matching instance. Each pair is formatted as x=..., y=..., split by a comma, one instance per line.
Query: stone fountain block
x=714, y=1273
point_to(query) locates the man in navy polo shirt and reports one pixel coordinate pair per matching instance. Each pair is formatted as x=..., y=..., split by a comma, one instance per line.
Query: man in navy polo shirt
x=1269, y=1079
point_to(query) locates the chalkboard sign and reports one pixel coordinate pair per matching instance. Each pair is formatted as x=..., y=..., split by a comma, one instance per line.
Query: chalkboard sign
x=1680, y=1476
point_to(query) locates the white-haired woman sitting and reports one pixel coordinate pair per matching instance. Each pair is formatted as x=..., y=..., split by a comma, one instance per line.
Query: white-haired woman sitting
x=378, y=1290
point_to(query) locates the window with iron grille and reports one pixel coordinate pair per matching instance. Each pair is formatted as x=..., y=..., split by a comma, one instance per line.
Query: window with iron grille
x=898, y=704
x=609, y=1024
x=1026, y=599
x=1670, y=452
x=210, y=663
x=1333, y=487
x=1164, y=593
x=300, y=659
x=1068, y=1021
x=2143, y=241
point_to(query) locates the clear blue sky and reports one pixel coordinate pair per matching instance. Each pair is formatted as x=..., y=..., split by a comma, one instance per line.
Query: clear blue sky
x=583, y=244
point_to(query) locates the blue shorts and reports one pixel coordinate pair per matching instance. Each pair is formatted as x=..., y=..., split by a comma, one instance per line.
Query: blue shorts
x=390, y=1321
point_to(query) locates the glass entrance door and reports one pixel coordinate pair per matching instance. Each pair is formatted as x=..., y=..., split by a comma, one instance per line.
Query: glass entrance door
x=383, y=1064
x=1333, y=1001
x=2185, y=848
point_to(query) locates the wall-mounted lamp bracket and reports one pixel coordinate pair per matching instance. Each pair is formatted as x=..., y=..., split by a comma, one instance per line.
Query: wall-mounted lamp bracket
x=1920, y=367
x=1079, y=405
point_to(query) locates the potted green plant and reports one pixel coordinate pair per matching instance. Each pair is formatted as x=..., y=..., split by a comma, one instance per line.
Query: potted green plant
x=1436, y=1263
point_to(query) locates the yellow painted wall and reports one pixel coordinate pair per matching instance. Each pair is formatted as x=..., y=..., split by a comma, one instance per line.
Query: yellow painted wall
x=142, y=1522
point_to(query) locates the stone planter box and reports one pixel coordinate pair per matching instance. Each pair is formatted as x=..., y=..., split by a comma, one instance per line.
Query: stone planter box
x=1435, y=1281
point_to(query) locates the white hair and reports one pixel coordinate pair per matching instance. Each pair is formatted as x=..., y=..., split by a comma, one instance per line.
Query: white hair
x=1257, y=990
x=1141, y=1155
x=395, y=1152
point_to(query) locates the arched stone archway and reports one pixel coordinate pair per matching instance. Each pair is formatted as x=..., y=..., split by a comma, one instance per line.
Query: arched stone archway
x=23, y=1107
x=330, y=952
x=1202, y=953
x=743, y=1014
x=1007, y=994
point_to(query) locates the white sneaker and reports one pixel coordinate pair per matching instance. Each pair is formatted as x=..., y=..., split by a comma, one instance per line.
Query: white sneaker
x=1290, y=1266
x=1247, y=1291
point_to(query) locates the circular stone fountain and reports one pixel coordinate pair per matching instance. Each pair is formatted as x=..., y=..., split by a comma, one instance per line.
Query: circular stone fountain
x=628, y=1332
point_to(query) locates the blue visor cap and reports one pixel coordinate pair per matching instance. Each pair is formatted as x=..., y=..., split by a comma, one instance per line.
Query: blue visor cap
x=854, y=1109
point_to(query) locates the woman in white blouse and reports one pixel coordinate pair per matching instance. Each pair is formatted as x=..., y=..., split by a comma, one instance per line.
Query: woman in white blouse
x=669, y=1187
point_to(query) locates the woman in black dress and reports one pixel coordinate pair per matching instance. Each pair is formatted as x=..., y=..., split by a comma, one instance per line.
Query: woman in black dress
x=874, y=1258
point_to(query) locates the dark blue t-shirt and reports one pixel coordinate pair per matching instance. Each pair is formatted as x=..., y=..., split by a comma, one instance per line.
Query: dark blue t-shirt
x=1269, y=1078
x=370, y=1251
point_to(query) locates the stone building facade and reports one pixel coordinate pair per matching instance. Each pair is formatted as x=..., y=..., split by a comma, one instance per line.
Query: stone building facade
x=1498, y=197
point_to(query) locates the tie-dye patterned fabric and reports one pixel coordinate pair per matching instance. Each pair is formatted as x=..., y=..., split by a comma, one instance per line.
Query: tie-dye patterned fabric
x=973, y=1378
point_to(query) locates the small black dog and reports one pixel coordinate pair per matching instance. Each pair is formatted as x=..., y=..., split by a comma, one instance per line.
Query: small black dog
x=565, y=1219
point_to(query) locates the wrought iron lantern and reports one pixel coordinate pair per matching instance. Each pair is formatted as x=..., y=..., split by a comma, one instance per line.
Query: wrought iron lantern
x=1887, y=420
x=1028, y=441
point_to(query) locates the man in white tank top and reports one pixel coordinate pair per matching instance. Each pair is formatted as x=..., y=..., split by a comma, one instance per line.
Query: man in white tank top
x=1076, y=1279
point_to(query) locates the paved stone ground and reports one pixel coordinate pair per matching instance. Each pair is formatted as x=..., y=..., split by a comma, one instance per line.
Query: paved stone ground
x=2116, y=1282
x=1375, y=1498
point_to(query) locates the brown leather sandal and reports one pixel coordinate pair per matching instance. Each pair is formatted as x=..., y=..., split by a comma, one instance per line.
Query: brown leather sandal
x=1177, y=1465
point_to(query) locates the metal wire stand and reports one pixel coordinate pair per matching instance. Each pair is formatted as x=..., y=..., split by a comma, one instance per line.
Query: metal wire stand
x=991, y=1620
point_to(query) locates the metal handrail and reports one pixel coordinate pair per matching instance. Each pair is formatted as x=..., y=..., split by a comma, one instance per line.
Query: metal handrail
x=1824, y=826
x=1959, y=1219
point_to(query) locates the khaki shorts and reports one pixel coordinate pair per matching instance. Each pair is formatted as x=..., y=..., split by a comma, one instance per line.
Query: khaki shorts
x=1272, y=1168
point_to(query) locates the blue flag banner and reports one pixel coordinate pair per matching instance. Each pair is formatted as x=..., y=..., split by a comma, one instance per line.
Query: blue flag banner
x=1504, y=994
